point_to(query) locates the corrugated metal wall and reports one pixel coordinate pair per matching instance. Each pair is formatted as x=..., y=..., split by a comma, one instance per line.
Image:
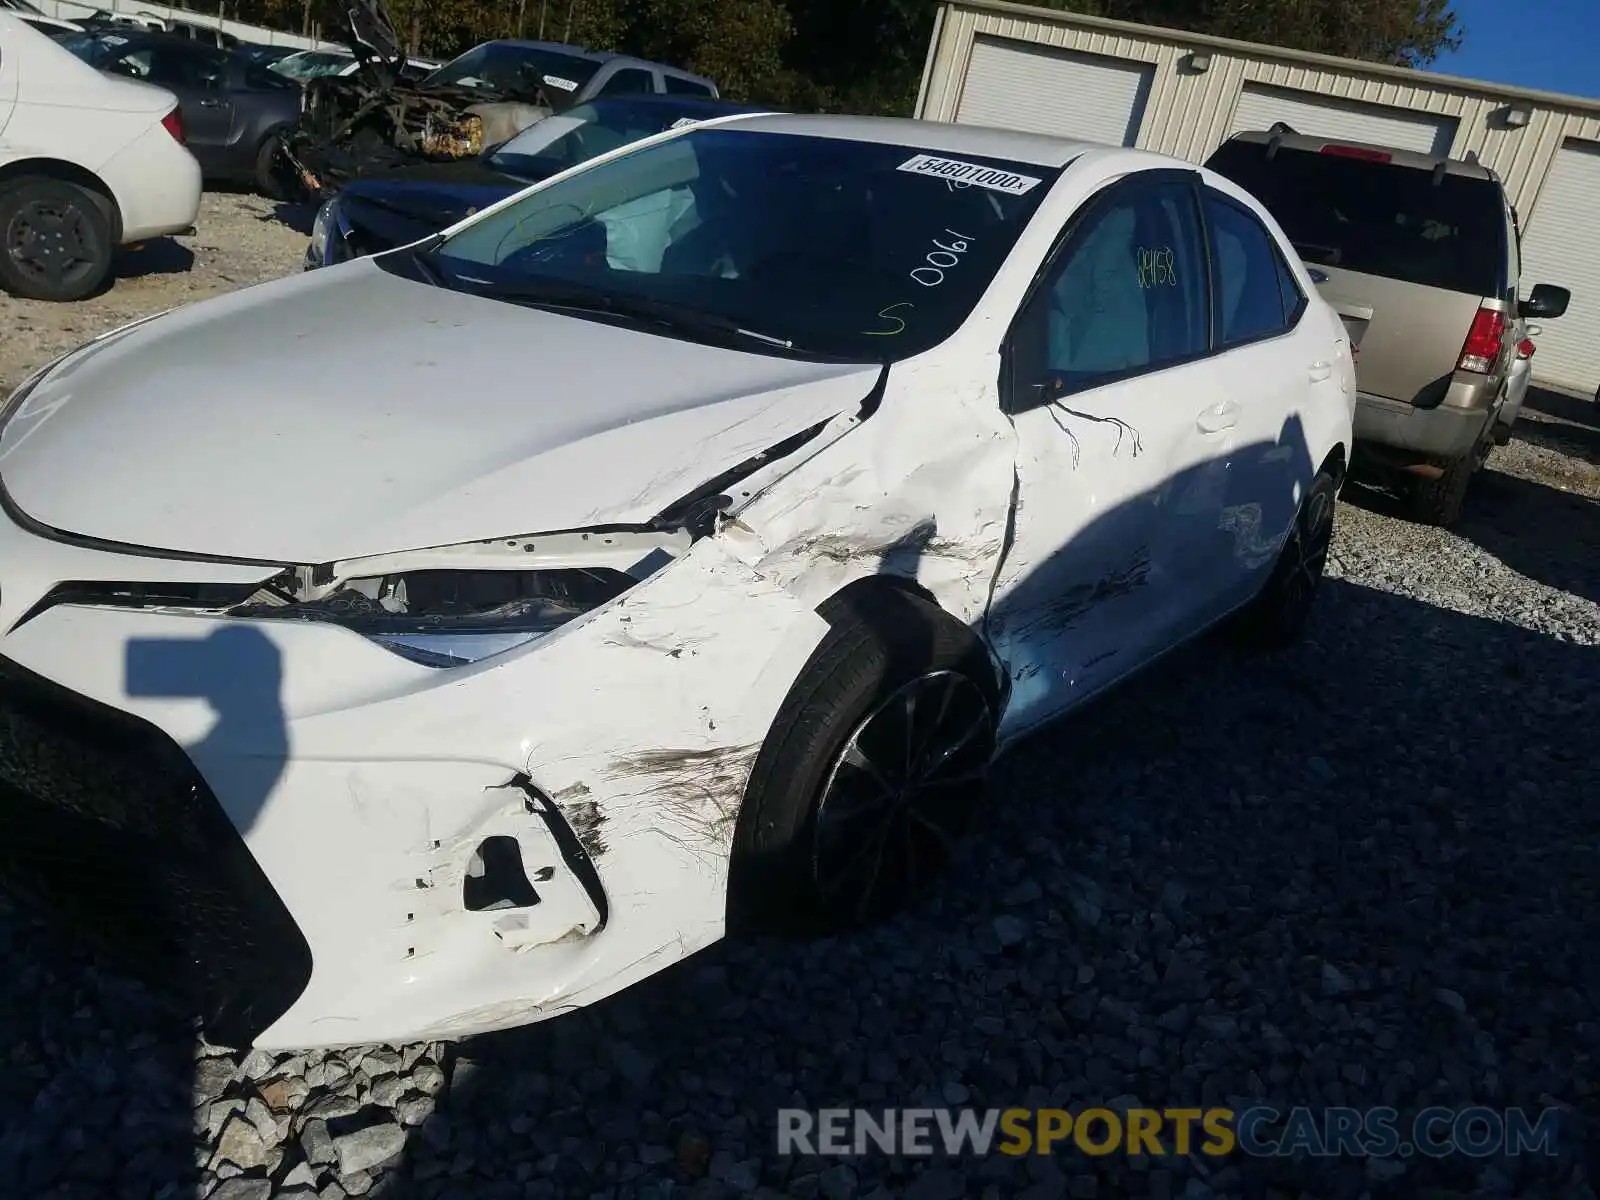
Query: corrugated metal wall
x=1188, y=114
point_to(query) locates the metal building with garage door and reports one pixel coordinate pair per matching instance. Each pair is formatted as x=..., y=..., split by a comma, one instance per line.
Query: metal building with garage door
x=1018, y=67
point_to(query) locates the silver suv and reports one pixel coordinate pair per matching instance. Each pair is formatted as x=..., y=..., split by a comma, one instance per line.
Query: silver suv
x=1419, y=255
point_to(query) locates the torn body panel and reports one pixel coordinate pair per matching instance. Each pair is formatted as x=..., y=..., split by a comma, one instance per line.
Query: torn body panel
x=638, y=721
x=921, y=490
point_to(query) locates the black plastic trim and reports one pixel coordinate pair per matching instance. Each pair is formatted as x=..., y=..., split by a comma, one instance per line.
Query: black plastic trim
x=107, y=827
x=578, y=860
x=130, y=594
x=697, y=510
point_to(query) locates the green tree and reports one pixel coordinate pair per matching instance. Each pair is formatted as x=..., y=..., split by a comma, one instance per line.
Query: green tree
x=739, y=43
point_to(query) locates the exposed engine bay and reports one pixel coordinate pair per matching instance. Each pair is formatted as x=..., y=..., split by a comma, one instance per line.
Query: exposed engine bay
x=375, y=118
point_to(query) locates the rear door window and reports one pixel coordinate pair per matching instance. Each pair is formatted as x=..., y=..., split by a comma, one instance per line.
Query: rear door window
x=1377, y=218
x=259, y=79
x=677, y=85
x=629, y=81
x=1247, y=287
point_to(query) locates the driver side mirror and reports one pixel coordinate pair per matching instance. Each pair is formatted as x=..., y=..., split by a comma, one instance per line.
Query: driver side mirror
x=1546, y=300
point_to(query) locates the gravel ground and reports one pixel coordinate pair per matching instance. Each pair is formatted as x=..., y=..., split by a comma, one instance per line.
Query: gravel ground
x=240, y=239
x=1365, y=872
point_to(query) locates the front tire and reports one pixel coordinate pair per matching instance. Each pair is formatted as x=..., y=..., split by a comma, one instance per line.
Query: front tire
x=871, y=772
x=1277, y=618
x=55, y=240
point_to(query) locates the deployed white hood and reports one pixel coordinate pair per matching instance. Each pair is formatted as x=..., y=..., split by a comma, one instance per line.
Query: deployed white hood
x=347, y=412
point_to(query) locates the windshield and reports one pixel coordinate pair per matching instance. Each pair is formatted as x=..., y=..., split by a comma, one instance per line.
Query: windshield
x=509, y=69
x=1378, y=218
x=583, y=132
x=846, y=249
x=309, y=64
x=88, y=46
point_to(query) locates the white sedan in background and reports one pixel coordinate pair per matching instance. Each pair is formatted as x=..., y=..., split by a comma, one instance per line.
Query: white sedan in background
x=443, y=640
x=88, y=162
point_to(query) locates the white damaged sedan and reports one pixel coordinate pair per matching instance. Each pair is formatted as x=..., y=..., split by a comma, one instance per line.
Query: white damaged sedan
x=444, y=640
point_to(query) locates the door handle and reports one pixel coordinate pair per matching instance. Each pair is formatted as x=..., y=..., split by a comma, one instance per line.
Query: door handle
x=1320, y=371
x=1215, y=420
x=213, y=103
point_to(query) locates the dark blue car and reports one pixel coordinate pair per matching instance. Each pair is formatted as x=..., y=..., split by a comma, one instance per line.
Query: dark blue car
x=404, y=204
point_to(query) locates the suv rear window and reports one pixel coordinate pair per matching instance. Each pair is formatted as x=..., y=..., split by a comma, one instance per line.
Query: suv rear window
x=1378, y=218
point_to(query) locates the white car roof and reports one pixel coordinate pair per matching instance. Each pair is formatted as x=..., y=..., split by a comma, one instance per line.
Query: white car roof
x=52, y=22
x=47, y=60
x=933, y=136
x=48, y=64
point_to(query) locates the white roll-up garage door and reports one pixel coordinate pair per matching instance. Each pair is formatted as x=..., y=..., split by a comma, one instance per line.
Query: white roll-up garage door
x=1561, y=245
x=1328, y=116
x=1012, y=85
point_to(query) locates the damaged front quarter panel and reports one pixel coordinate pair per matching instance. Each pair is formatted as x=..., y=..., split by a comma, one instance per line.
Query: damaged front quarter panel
x=921, y=491
x=675, y=686
x=641, y=720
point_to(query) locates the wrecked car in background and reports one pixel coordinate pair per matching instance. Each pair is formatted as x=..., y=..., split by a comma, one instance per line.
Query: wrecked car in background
x=394, y=207
x=305, y=65
x=375, y=117
x=696, y=526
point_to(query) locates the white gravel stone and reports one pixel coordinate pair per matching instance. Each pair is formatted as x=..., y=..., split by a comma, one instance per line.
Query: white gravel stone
x=369, y=1147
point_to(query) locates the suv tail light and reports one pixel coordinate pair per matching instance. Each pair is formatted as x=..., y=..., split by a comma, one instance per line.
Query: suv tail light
x=1525, y=348
x=173, y=124
x=1482, y=348
x=1379, y=156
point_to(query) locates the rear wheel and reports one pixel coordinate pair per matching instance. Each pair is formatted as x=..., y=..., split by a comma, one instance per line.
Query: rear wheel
x=873, y=769
x=55, y=240
x=1278, y=616
x=1439, y=501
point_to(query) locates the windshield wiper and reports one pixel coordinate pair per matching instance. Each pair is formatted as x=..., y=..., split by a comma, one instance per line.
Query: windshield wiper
x=676, y=318
x=420, y=256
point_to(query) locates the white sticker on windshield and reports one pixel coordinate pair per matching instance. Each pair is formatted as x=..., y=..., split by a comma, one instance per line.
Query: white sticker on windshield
x=566, y=85
x=112, y=40
x=953, y=170
x=682, y=121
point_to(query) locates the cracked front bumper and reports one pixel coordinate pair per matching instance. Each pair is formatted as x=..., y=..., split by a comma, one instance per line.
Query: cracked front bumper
x=278, y=817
